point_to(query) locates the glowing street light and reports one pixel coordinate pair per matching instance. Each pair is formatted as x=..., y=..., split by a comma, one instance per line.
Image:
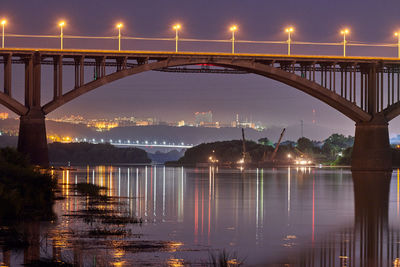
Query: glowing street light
x=61, y=24
x=398, y=43
x=3, y=24
x=344, y=32
x=176, y=28
x=119, y=26
x=289, y=41
x=233, y=28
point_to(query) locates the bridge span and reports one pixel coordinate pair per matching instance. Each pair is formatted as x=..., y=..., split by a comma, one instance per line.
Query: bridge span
x=365, y=89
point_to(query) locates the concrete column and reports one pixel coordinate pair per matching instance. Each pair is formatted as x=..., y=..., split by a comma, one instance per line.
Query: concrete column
x=81, y=71
x=77, y=72
x=32, y=139
x=36, y=71
x=371, y=150
x=7, y=74
x=29, y=81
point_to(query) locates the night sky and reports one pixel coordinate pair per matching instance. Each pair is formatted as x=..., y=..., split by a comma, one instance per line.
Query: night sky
x=170, y=96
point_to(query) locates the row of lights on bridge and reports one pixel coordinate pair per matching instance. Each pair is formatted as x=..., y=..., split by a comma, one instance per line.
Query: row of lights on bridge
x=133, y=142
x=233, y=29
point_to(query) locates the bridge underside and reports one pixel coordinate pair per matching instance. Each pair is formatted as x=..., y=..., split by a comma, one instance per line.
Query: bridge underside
x=366, y=90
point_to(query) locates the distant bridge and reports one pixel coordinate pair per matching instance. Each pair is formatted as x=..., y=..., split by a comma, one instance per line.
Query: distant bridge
x=151, y=145
x=146, y=144
x=365, y=89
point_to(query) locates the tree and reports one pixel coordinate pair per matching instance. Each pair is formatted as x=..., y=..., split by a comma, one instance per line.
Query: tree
x=336, y=143
x=305, y=145
x=265, y=141
x=339, y=140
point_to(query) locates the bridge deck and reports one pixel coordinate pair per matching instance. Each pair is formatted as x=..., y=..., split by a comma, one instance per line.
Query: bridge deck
x=154, y=55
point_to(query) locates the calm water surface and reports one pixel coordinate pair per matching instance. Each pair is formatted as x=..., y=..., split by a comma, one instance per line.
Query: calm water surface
x=296, y=216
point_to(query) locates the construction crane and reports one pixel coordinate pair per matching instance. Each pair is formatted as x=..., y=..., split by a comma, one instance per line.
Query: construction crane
x=245, y=155
x=277, y=145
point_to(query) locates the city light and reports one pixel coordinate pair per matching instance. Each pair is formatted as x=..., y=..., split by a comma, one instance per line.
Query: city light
x=233, y=29
x=289, y=31
x=397, y=34
x=176, y=27
x=61, y=24
x=211, y=159
x=3, y=24
x=344, y=32
x=119, y=26
x=240, y=161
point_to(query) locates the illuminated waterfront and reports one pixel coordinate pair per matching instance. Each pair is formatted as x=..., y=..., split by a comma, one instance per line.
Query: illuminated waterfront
x=264, y=215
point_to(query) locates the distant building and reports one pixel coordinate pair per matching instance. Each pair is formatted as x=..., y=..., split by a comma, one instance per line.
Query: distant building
x=102, y=126
x=3, y=115
x=74, y=119
x=203, y=118
x=125, y=121
x=210, y=124
x=143, y=123
x=244, y=124
x=181, y=123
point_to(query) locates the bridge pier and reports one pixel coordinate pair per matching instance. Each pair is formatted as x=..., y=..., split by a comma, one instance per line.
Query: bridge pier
x=32, y=139
x=371, y=150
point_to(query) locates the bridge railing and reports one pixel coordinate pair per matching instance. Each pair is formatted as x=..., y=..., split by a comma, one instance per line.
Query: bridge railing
x=222, y=45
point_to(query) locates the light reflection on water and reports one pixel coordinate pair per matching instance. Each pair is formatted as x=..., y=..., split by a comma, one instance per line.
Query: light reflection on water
x=266, y=216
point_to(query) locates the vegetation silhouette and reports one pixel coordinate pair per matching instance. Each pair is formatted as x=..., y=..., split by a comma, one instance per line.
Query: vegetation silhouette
x=26, y=193
x=85, y=153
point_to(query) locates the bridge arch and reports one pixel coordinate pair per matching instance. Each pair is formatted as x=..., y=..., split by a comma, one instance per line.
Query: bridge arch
x=325, y=95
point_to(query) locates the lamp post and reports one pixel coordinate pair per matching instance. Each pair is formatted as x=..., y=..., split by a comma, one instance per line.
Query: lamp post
x=233, y=29
x=119, y=26
x=61, y=24
x=3, y=24
x=176, y=28
x=398, y=43
x=289, y=41
x=344, y=32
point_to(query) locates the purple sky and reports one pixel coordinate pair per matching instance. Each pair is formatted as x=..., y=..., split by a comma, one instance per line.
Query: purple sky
x=177, y=96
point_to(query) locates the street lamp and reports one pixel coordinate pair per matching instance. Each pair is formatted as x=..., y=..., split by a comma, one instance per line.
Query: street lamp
x=344, y=32
x=289, y=41
x=176, y=28
x=3, y=24
x=119, y=26
x=61, y=24
x=398, y=43
x=233, y=28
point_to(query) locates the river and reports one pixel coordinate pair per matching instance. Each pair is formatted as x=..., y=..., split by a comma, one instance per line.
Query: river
x=186, y=216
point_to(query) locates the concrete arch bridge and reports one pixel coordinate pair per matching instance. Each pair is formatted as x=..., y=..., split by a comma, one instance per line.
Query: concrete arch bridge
x=366, y=90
